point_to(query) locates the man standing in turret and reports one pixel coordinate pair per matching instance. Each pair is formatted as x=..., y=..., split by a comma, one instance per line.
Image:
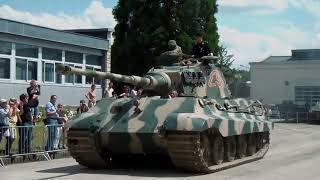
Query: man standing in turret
x=201, y=48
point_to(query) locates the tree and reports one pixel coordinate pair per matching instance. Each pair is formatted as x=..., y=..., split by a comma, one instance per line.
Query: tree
x=224, y=59
x=145, y=27
x=224, y=62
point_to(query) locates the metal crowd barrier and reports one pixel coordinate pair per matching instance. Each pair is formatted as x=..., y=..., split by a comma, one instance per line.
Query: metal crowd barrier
x=31, y=140
x=298, y=117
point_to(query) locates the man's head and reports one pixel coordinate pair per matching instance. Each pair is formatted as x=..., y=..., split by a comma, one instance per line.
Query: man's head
x=172, y=44
x=24, y=98
x=33, y=83
x=110, y=84
x=12, y=101
x=82, y=102
x=53, y=99
x=93, y=87
x=174, y=94
x=3, y=103
x=60, y=106
x=199, y=38
x=126, y=89
x=139, y=92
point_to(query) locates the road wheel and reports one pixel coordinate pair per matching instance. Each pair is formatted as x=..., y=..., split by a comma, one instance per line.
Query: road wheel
x=252, y=144
x=217, y=150
x=241, y=146
x=206, y=149
x=230, y=148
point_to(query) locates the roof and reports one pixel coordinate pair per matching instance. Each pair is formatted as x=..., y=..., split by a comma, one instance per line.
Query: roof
x=49, y=34
x=90, y=30
x=276, y=59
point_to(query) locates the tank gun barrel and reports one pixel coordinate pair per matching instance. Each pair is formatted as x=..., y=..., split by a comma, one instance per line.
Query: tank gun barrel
x=157, y=81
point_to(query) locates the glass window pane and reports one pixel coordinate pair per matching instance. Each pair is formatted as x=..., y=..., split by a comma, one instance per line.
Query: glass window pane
x=69, y=78
x=97, y=80
x=42, y=71
x=52, y=54
x=32, y=70
x=26, y=50
x=78, y=78
x=89, y=80
x=93, y=60
x=58, y=76
x=49, y=72
x=74, y=57
x=5, y=47
x=4, y=68
x=21, y=69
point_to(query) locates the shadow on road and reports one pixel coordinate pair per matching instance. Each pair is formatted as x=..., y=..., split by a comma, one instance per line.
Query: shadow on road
x=137, y=167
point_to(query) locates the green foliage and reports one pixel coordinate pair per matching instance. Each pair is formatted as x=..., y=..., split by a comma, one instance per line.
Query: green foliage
x=145, y=27
x=244, y=75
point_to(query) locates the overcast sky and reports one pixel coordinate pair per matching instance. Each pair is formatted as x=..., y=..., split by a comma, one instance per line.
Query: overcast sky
x=251, y=29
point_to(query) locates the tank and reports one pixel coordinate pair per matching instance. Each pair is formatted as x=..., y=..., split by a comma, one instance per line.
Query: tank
x=202, y=130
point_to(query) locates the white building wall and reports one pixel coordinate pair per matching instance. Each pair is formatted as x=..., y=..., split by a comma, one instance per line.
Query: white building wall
x=67, y=95
x=269, y=80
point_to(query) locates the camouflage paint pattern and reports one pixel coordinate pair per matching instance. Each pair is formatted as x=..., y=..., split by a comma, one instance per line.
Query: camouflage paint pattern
x=205, y=103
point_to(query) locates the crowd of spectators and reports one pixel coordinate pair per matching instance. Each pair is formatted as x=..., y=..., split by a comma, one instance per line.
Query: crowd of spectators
x=19, y=116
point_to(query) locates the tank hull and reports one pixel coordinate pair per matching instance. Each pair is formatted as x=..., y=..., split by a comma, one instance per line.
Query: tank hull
x=187, y=129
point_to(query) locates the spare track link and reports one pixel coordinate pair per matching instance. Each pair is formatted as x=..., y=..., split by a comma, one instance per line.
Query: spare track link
x=82, y=149
x=185, y=153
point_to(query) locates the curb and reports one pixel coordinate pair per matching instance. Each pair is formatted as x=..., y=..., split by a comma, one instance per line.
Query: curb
x=33, y=158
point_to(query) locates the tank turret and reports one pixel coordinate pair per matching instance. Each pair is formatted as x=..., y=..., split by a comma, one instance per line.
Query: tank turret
x=186, y=75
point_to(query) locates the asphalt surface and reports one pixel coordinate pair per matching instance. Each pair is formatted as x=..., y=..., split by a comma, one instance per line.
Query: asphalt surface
x=294, y=154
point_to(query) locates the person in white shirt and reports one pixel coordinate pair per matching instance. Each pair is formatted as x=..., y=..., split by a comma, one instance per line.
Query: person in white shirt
x=133, y=92
x=109, y=91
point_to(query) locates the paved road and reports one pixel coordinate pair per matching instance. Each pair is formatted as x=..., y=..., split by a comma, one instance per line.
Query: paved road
x=294, y=154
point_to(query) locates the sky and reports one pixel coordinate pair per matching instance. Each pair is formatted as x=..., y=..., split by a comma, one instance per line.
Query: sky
x=251, y=30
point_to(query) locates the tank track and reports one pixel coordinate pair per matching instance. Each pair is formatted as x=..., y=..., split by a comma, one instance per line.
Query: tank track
x=83, y=149
x=185, y=152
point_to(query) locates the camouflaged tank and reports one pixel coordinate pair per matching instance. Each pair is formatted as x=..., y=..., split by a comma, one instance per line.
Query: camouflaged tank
x=204, y=129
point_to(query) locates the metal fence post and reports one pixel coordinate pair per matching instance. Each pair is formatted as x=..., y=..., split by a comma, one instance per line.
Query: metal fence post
x=297, y=117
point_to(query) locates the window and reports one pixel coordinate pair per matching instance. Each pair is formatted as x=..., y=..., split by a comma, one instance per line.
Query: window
x=5, y=47
x=21, y=69
x=93, y=80
x=4, y=68
x=89, y=80
x=32, y=70
x=78, y=78
x=26, y=70
x=58, y=76
x=69, y=78
x=26, y=50
x=308, y=94
x=93, y=60
x=48, y=72
x=97, y=80
x=74, y=57
x=52, y=54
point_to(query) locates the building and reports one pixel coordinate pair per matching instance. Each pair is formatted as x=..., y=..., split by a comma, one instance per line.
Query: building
x=32, y=52
x=294, y=78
